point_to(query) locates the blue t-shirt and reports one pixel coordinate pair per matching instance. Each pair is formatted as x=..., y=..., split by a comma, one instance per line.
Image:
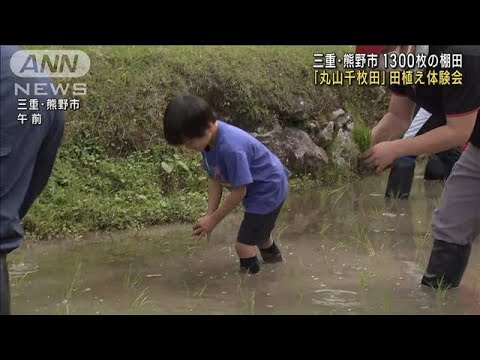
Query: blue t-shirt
x=239, y=159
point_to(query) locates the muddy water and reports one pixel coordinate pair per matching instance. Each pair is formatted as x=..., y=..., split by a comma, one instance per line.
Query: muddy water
x=346, y=251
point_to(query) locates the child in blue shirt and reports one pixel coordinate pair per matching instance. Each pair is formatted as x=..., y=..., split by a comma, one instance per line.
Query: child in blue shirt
x=236, y=160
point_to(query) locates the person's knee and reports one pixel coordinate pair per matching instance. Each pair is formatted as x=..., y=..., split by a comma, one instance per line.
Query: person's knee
x=266, y=243
x=244, y=250
x=248, y=258
x=271, y=254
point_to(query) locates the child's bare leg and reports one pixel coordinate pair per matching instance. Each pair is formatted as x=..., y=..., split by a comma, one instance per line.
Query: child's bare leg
x=245, y=251
x=255, y=231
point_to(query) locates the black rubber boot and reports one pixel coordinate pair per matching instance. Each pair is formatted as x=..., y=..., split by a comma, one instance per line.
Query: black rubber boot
x=449, y=159
x=439, y=166
x=446, y=265
x=272, y=254
x=249, y=265
x=401, y=178
x=4, y=286
x=435, y=169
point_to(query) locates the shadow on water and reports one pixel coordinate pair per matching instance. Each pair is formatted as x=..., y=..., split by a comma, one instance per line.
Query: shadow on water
x=346, y=251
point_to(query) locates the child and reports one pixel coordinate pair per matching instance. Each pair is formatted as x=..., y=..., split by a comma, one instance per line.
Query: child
x=236, y=160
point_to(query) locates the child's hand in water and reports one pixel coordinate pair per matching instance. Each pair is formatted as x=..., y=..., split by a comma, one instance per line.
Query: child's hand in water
x=204, y=226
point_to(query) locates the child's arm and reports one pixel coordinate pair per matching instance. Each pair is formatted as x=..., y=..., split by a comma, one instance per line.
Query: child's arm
x=239, y=176
x=238, y=173
x=215, y=191
x=207, y=223
x=231, y=202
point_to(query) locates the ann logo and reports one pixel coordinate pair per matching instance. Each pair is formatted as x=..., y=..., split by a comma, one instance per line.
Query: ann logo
x=50, y=63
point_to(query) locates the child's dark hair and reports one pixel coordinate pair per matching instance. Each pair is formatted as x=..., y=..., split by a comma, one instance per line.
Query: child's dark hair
x=186, y=117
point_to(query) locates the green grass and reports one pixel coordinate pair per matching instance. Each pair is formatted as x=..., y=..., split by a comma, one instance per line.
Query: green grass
x=199, y=293
x=73, y=285
x=246, y=295
x=129, y=87
x=115, y=171
x=364, y=278
x=387, y=303
x=324, y=229
x=140, y=300
x=420, y=240
x=338, y=193
x=362, y=237
x=329, y=177
x=194, y=296
x=90, y=191
x=131, y=281
x=441, y=291
x=278, y=231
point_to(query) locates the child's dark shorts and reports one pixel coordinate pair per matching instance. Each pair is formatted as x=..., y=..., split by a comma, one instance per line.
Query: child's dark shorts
x=256, y=228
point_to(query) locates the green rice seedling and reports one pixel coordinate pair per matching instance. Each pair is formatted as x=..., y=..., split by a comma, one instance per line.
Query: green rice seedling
x=140, y=300
x=362, y=136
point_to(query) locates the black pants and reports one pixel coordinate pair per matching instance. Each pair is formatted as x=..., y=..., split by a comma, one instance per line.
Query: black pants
x=256, y=228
